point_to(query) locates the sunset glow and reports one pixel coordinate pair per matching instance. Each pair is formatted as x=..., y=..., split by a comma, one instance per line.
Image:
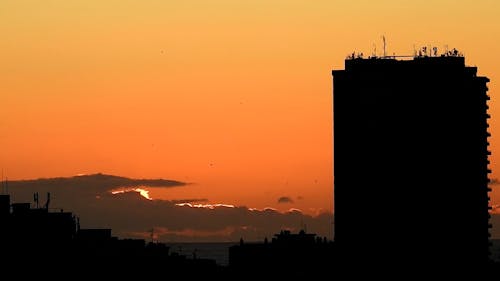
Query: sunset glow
x=233, y=98
x=263, y=209
x=206, y=206
x=143, y=192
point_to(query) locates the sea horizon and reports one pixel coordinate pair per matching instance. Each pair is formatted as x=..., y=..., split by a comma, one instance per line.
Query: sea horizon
x=218, y=251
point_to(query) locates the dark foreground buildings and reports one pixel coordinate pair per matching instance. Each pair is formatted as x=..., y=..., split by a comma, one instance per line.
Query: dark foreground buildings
x=36, y=242
x=411, y=162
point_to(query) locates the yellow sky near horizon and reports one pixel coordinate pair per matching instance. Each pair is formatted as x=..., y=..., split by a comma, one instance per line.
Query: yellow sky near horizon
x=234, y=96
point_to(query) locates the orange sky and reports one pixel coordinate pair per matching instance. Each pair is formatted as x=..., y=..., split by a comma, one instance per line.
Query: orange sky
x=235, y=97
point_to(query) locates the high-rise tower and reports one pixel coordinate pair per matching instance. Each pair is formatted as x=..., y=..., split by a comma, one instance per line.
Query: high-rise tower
x=411, y=161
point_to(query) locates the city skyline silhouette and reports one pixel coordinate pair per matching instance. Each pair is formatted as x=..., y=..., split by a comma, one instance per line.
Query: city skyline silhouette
x=409, y=125
x=210, y=122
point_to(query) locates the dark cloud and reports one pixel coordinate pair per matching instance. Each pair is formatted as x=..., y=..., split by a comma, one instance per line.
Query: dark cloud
x=131, y=215
x=65, y=191
x=285, y=199
x=92, y=183
x=495, y=222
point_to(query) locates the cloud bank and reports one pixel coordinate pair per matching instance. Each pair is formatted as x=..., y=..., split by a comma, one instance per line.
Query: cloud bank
x=131, y=215
x=89, y=184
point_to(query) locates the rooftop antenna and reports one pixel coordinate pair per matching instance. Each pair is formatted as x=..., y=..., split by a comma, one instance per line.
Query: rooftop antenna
x=35, y=198
x=48, y=201
x=383, y=40
x=374, y=50
x=4, y=184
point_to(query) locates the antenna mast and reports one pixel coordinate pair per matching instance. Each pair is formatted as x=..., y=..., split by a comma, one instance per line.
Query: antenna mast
x=4, y=184
x=35, y=198
x=383, y=40
x=48, y=201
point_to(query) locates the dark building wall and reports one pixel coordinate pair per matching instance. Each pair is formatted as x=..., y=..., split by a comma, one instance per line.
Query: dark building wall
x=410, y=160
x=4, y=205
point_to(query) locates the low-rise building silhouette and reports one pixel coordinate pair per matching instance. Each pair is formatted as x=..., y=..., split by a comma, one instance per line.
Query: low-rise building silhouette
x=40, y=239
x=288, y=254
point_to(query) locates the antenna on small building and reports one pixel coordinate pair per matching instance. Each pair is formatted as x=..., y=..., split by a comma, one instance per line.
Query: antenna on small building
x=48, y=201
x=35, y=198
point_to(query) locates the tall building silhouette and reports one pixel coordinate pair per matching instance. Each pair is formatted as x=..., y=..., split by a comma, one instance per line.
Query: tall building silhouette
x=411, y=161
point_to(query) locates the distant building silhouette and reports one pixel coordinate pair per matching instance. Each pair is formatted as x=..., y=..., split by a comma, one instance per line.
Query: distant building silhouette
x=411, y=162
x=289, y=254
